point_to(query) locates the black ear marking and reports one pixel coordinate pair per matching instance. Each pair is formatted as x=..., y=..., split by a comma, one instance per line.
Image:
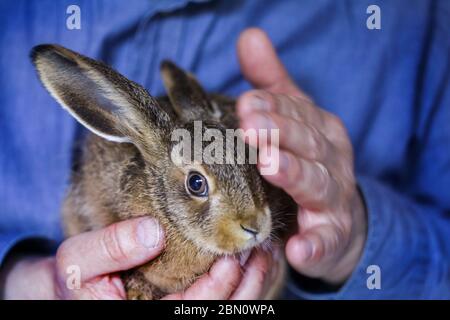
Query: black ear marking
x=100, y=98
x=187, y=96
x=76, y=92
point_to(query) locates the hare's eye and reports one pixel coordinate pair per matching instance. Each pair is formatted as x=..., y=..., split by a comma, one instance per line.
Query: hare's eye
x=196, y=184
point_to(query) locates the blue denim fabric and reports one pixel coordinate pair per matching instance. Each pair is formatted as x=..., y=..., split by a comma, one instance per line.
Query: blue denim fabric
x=390, y=87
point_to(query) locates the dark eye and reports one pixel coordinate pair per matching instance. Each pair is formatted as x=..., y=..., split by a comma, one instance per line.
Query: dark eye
x=197, y=184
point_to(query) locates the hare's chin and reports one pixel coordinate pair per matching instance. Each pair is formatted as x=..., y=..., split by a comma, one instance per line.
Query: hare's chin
x=246, y=246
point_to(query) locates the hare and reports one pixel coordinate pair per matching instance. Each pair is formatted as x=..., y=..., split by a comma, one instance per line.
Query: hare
x=127, y=170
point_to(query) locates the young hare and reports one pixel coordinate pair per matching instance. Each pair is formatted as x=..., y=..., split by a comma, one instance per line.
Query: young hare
x=127, y=170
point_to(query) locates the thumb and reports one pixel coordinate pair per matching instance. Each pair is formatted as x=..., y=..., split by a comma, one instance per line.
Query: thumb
x=313, y=252
x=260, y=64
x=120, y=246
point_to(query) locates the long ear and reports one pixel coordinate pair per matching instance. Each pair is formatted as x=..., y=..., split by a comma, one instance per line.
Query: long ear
x=101, y=99
x=186, y=95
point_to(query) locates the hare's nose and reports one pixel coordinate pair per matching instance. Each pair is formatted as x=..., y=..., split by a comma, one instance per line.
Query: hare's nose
x=249, y=230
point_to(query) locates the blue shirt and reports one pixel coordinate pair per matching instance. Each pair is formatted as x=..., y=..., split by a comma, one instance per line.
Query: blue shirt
x=391, y=88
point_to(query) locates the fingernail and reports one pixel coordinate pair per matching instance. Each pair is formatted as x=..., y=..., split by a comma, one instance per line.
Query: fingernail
x=308, y=251
x=149, y=233
x=258, y=103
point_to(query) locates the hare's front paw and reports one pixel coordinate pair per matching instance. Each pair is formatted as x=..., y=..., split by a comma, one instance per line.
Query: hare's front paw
x=137, y=287
x=138, y=294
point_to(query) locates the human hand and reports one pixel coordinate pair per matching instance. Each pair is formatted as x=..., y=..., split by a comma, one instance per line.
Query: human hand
x=98, y=256
x=315, y=164
x=101, y=254
x=228, y=280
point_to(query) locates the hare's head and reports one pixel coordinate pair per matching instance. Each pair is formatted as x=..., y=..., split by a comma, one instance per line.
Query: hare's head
x=221, y=206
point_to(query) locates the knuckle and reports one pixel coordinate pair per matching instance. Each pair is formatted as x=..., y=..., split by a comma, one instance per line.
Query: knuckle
x=337, y=123
x=112, y=245
x=315, y=144
x=288, y=104
x=321, y=189
x=275, y=102
x=297, y=101
x=336, y=240
x=333, y=242
x=297, y=109
x=320, y=179
x=319, y=251
x=346, y=228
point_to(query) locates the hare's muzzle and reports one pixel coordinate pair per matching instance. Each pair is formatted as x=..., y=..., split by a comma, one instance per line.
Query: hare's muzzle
x=255, y=228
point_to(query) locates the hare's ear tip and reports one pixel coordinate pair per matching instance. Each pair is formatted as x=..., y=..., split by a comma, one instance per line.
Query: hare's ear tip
x=41, y=50
x=169, y=67
x=172, y=67
x=169, y=72
x=166, y=64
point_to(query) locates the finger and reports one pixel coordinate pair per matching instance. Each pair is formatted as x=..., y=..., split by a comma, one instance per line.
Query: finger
x=298, y=108
x=308, y=183
x=261, y=65
x=109, y=287
x=307, y=142
x=254, y=278
x=218, y=284
x=287, y=105
x=120, y=246
x=313, y=251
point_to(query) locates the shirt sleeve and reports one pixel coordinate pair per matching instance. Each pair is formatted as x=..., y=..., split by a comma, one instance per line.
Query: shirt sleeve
x=409, y=221
x=407, y=242
x=32, y=242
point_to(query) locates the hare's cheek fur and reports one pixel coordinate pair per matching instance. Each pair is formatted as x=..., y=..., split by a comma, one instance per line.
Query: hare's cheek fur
x=217, y=228
x=217, y=223
x=125, y=169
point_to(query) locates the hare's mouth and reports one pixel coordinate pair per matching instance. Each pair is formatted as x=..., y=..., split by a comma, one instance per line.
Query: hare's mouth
x=237, y=235
x=243, y=256
x=241, y=249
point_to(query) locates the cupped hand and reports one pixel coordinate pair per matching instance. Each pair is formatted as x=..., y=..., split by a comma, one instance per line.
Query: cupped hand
x=315, y=162
x=87, y=266
x=228, y=280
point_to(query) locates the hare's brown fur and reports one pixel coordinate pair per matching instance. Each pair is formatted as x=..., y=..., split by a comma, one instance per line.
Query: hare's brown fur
x=133, y=174
x=111, y=186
